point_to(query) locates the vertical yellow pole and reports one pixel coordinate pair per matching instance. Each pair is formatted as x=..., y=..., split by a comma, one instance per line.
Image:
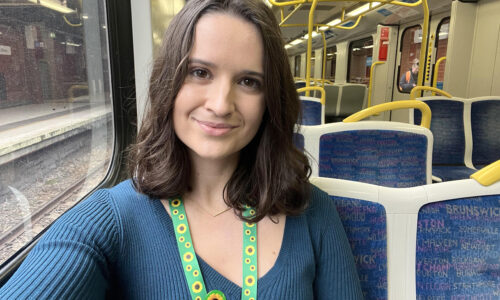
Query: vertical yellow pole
x=423, y=46
x=309, y=44
x=324, y=59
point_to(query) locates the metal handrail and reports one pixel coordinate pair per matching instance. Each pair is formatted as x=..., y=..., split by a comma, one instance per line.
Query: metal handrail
x=314, y=88
x=370, y=111
x=427, y=88
x=370, y=84
x=488, y=175
x=436, y=72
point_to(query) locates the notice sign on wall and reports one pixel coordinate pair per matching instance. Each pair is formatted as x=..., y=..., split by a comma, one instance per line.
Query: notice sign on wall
x=5, y=50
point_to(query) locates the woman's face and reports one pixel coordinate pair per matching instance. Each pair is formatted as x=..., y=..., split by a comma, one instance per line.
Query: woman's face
x=219, y=108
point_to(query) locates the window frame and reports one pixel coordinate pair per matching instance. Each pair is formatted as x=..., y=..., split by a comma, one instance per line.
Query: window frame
x=421, y=67
x=121, y=60
x=350, y=48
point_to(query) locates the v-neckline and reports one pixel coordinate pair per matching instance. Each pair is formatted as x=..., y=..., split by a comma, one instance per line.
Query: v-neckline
x=217, y=279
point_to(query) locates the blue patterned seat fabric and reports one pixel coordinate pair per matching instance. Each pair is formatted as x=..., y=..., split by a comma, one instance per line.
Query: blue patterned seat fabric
x=298, y=141
x=311, y=112
x=485, y=124
x=383, y=157
x=447, y=126
x=365, y=226
x=448, y=173
x=458, y=249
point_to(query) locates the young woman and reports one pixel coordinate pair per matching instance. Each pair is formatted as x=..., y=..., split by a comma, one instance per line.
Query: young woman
x=219, y=206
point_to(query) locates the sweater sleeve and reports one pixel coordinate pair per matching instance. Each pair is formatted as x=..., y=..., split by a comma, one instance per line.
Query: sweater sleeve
x=336, y=275
x=71, y=260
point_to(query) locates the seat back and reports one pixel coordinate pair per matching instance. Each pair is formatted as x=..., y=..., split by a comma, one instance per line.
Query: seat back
x=352, y=99
x=443, y=240
x=485, y=128
x=447, y=126
x=378, y=152
x=364, y=221
x=331, y=99
x=313, y=111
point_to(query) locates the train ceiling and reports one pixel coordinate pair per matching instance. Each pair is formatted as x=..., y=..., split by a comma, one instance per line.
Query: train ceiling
x=328, y=11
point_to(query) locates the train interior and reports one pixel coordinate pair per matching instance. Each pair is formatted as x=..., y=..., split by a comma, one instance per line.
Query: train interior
x=400, y=104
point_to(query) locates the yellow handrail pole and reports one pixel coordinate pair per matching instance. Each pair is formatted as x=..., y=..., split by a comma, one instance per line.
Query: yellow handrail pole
x=488, y=175
x=370, y=84
x=436, y=72
x=370, y=111
x=423, y=45
x=309, y=43
x=324, y=59
x=297, y=7
x=287, y=3
x=418, y=88
x=314, y=88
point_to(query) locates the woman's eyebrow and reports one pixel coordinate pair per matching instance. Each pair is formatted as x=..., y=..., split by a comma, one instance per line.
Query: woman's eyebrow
x=200, y=61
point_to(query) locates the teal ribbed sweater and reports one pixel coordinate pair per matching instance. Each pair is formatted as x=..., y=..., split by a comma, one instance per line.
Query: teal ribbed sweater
x=121, y=244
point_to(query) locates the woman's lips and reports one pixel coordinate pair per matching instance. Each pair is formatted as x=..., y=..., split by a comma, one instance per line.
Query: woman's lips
x=215, y=129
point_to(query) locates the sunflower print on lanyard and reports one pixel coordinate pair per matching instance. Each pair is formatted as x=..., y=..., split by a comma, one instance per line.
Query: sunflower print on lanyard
x=190, y=264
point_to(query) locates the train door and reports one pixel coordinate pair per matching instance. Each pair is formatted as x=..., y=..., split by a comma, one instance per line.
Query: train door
x=408, y=64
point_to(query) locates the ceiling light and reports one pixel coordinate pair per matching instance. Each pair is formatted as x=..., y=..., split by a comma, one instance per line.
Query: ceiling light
x=296, y=42
x=57, y=6
x=287, y=46
x=363, y=9
x=324, y=28
x=334, y=22
x=314, y=34
x=368, y=47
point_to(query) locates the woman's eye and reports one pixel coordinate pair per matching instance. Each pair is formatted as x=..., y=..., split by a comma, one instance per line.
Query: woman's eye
x=200, y=73
x=251, y=83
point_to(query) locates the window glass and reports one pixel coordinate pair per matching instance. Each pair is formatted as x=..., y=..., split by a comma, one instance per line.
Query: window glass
x=360, y=60
x=56, y=131
x=331, y=63
x=411, y=41
x=441, y=45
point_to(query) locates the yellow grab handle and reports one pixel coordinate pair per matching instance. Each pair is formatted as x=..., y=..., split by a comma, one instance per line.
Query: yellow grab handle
x=370, y=84
x=314, y=88
x=418, y=88
x=436, y=72
x=370, y=111
x=488, y=175
x=287, y=3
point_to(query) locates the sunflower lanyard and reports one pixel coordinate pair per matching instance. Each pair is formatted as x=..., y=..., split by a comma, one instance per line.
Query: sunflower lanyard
x=190, y=265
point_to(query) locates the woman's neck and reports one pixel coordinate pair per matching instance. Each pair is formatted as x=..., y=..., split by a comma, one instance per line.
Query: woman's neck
x=208, y=179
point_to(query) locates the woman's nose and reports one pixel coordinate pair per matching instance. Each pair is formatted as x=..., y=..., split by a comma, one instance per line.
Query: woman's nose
x=220, y=100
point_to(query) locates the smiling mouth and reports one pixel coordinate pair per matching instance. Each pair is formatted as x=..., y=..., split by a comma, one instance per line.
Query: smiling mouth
x=215, y=129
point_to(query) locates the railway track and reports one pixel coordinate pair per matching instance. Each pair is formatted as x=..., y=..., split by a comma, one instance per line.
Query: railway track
x=45, y=209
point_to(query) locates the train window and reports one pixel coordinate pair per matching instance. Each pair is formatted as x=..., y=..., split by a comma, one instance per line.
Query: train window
x=360, y=60
x=331, y=63
x=441, y=45
x=411, y=41
x=56, y=132
x=297, y=66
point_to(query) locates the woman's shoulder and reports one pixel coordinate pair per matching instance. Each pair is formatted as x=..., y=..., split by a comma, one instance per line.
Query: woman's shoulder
x=320, y=203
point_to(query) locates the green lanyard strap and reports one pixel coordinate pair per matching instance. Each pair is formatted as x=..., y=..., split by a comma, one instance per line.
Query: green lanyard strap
x=190, y=264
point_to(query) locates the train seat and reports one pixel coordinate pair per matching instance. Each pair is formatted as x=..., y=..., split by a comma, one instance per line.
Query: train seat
x=331, y=101
x=364, y=220
x=378, y=152
x=313, y=111
x=442, y=240
x=352, y=99
x=485, y=128
x=451, y=137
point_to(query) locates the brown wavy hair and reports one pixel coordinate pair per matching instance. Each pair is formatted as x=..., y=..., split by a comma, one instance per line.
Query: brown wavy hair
x=272, y=175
